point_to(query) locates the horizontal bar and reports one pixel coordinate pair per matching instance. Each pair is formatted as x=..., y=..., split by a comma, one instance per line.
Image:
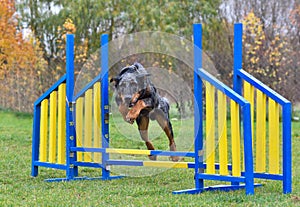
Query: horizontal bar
x=227, y=178
x=128, y=151
x=87, y=149
x=268, y=176
x=262, y=87
x=87, y=87
x=214, y=188
x=83, y=178
x=125, y=162
x=217, y=166
x=50, y=165
x=222, y=87
x=172, y=153
x=133, y=151
x=163, y=164
x=89, y=164
x=168, y=164
x=54, y=87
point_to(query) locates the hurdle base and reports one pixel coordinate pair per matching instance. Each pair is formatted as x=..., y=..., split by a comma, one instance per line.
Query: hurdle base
x=214, y=188
x=83, y=178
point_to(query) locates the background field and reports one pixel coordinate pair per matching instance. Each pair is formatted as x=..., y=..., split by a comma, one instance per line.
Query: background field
x=18, y=188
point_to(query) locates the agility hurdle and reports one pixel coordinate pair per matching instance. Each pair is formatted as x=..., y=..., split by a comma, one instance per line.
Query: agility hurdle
x=63, y=136
x=268, y=106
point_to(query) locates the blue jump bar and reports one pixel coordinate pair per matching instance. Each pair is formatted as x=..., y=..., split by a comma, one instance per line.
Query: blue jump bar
x=222, y=87
x=87, y=87
x=139, y=163
x=89, y=164
x=152, y=152
x=50, y=165
x=227, y=178
x=136, y=163
x=261, y=86
x=50, y=90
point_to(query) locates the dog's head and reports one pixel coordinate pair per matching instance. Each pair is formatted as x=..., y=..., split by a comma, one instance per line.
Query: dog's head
x=130, y=81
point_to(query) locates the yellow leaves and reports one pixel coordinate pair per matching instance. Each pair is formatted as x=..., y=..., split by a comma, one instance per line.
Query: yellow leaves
x=20, y=60
x=81, y=48
x=253, y=38
x=263, y=55
x=258, y=42
x=69, y=26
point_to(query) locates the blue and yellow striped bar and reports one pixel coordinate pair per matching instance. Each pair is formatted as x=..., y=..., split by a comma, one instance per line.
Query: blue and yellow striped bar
x=128, y=151
x=134, y=151
x=160, y=164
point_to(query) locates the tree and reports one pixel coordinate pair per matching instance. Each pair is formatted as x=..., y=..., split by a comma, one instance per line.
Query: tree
x=20, y=60
x=93, y=18
x=272, y=45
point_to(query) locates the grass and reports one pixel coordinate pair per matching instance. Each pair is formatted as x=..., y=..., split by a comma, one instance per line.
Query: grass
x=18, y=188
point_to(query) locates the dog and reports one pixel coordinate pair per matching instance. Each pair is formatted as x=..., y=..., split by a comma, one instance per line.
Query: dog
x=138, y=100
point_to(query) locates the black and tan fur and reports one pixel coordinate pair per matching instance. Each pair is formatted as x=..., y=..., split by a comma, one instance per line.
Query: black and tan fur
x=138, y=100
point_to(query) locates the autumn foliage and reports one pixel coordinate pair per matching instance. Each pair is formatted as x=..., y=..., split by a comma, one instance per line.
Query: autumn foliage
x=270, y=56
x=20, y=62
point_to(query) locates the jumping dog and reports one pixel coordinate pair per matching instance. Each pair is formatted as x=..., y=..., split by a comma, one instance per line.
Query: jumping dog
x=138, y=100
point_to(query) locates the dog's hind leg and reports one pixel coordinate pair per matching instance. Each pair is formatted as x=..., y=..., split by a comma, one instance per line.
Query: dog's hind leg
x=143, y=123
x=166, y=125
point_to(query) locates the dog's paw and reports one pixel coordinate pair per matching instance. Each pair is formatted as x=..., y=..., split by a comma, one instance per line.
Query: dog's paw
x=131, y=116
x=175, y=158
x=130, y=121
x=152, y=157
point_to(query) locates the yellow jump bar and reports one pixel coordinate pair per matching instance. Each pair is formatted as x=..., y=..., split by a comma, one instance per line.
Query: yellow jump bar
x=165, y=164
x=128, y=151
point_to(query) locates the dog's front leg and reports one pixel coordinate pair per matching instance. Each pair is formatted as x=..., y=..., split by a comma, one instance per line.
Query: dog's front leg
x=134, y=99
x=135, y=111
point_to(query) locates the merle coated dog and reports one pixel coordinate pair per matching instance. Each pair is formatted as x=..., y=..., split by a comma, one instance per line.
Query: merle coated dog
x=138, y=100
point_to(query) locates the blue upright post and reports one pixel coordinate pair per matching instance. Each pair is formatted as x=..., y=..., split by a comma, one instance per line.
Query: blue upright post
x=198, y=107
x=287, y=147
x=70, y=127
x=237, y=57
x=248, y=152
x=198, y=116
x=104, y=102
x=237, y=61
x=35, y=139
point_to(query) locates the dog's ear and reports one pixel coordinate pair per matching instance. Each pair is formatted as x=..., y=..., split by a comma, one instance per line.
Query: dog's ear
x=138, y=65
x=115, y=80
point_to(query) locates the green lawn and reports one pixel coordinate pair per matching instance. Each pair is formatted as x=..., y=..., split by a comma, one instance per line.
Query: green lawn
x=18, y=188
